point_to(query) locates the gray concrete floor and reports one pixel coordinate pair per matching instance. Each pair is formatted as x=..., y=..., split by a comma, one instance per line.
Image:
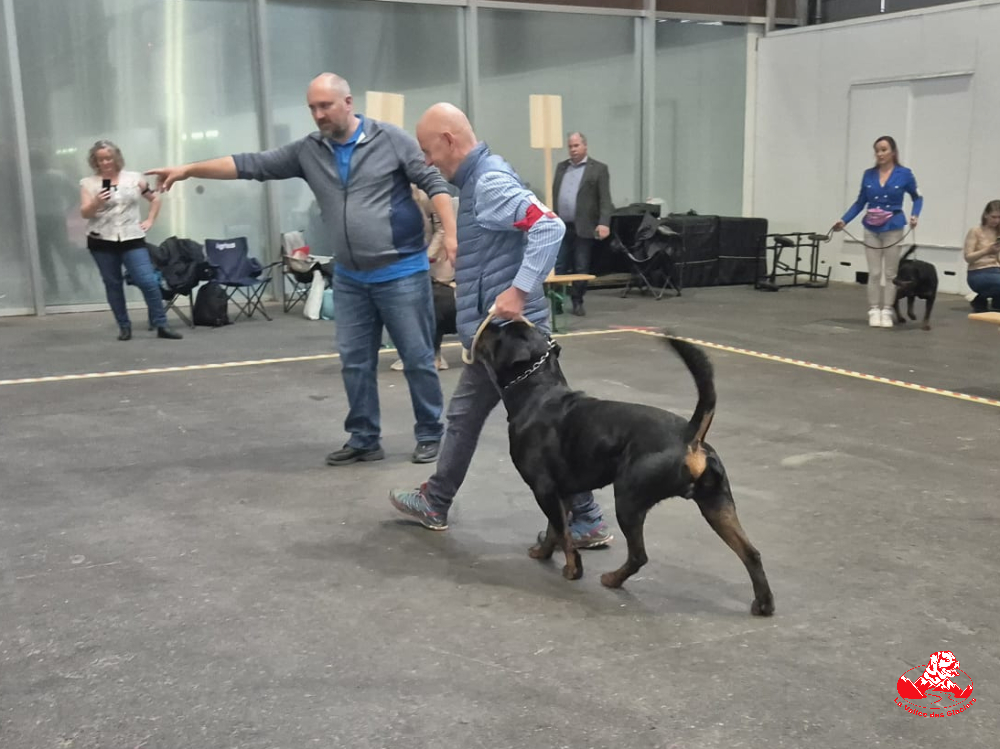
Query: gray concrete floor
x=179, y=568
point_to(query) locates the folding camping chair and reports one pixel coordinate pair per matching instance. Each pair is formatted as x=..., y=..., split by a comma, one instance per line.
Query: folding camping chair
x=651, y=254
x=298, y=268
x=243, y=277
x=182, y=267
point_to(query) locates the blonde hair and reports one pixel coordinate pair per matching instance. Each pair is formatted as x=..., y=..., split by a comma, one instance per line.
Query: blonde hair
x=116, y=154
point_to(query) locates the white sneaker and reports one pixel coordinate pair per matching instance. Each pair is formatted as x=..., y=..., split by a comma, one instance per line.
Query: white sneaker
x=441, y=362
x=397, y=366
x=886, y=317
x=874, y=318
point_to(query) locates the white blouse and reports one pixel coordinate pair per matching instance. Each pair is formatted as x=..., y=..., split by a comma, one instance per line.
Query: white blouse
x=119, y=220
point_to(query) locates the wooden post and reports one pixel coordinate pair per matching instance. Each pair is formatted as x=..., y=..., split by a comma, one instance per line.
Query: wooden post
x=385, y=107
x=546, y=132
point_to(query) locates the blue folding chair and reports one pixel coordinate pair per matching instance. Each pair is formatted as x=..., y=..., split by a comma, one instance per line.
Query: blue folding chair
x=243, y=277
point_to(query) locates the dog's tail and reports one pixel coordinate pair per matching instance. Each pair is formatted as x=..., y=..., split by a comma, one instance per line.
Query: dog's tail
x=909, y=252
x=701, y=369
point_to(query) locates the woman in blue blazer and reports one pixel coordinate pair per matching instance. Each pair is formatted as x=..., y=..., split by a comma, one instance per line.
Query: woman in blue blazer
x=882, y=190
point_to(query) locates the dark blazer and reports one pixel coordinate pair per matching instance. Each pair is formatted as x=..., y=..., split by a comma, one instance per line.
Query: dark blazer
x=593, y=202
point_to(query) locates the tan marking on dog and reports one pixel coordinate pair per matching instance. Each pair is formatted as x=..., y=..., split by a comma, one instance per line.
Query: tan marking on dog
x=696, y=460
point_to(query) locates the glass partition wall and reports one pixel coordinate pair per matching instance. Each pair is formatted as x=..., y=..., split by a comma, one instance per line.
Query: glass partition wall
x=173, y=81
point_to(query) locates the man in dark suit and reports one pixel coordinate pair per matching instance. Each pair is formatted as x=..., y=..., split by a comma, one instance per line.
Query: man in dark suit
x=582, y=195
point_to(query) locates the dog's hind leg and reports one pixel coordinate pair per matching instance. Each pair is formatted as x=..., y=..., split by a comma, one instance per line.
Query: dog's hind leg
x=631, y=520
x=929, y=305
x=715, y=500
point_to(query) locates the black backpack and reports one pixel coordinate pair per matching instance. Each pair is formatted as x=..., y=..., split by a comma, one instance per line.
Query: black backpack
x=211, y=306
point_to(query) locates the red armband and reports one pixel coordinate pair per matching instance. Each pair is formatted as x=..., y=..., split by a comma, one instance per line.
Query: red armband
x=535, y=211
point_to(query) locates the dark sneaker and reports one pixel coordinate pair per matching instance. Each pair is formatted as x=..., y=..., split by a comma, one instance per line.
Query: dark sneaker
x=125, y=333
x=979, y=304
x=426, y=452
x=594, y=536
x=578, y=309
x=347, y=455
x=413, y=503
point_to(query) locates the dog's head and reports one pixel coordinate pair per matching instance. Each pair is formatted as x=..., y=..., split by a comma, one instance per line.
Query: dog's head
x=512, y=349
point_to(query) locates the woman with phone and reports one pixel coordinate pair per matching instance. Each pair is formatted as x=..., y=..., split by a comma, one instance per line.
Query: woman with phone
x=882, y=189
x=116, y=235
x=982, y=253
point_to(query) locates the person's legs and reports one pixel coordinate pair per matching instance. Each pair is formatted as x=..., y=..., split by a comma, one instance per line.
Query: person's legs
x=873, y=254
x=140, y=268
x=474, y=397
x=986, y=283
x=567, y=252
x=406, y=306
x=890, y=260
x=109, y=263
x=583, y=248
x=359, y=335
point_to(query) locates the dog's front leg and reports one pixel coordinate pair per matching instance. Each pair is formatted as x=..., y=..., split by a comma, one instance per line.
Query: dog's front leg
x=558, y=532
x=895, y=308
x=548, y=545
x=909, y=307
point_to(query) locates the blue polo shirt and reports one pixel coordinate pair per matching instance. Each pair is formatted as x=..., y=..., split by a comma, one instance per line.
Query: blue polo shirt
x=408, y=264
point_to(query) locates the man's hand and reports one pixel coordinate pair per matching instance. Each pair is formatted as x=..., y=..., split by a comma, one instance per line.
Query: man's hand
x=510, y=304
x=451, y=247
x=166, y=176
x=603, y=232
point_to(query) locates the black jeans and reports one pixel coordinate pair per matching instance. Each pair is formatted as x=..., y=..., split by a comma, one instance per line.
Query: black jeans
x=574, y=257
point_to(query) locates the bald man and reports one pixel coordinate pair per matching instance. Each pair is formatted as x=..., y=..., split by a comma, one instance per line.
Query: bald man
x=360, y=171
x=508, y=242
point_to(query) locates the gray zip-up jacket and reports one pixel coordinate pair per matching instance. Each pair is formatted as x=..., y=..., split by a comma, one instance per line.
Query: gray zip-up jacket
x=373, y=219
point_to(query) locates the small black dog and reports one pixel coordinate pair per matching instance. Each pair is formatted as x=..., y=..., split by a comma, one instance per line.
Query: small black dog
x=565, y=442
x=915, y=278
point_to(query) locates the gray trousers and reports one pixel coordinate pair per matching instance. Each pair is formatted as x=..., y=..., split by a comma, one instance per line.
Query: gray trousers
x=474, y=398
x=883, y=256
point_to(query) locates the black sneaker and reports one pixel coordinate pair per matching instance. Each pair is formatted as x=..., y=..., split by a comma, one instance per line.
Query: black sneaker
x=426, y=452
x=170, y=335
x=347, y=455
x=578, y=308
x=125, y=333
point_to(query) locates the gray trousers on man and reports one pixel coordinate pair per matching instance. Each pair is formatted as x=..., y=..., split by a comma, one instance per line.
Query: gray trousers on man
x=882, y=254
x=474, y=398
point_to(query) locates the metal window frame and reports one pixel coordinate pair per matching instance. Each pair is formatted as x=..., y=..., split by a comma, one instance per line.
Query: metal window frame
x=468, y=20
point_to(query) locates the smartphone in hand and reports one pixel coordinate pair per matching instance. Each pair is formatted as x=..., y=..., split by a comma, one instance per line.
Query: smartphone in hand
x=105, y=185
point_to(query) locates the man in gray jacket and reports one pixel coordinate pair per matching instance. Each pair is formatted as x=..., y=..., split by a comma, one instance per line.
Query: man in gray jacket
x=509, y=242
x=360, y=171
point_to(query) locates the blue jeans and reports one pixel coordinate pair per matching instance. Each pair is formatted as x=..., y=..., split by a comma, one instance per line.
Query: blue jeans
x=136, y=262
x=406, y=308
x=986, y=283
x=475, y=396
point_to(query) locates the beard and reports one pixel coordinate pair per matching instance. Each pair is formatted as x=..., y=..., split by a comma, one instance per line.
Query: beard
x=333, y=131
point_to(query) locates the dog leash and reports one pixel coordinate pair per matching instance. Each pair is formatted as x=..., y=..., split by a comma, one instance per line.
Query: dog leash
x=469, y=354
x=829, y=235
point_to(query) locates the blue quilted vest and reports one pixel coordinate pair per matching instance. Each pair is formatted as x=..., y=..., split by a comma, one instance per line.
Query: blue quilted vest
x=487, y=260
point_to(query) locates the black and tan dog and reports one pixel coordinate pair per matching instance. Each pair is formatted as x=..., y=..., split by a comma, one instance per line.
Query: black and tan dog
x=564, y=442
x=915, y=279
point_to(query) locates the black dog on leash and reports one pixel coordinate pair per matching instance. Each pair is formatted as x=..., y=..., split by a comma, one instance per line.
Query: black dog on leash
x=564, y=442
x=915, y=278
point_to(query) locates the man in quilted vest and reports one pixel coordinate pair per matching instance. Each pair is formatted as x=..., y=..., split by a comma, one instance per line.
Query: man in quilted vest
x=508, y=244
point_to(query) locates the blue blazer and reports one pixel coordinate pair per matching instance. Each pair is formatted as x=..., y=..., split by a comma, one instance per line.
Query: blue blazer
x=888, y=197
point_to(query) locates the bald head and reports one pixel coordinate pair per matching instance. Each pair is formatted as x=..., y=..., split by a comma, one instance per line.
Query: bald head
x=332, y=106
x=446, y=137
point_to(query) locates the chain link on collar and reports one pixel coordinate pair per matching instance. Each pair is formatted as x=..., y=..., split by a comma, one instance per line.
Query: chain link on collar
x=533, y=368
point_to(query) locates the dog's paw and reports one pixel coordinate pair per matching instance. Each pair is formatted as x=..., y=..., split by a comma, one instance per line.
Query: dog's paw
x=911, y=315
x=572, y=573
x=612, y=580
x=927, y=326
x=762, y=608
x=541, y=552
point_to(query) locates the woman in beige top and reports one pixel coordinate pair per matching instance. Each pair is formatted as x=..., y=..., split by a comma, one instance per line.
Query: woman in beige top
x=982, y=250
x=116, y=235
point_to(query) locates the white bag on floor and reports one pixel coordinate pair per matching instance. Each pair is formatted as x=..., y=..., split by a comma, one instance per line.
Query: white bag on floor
x=314, y=301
